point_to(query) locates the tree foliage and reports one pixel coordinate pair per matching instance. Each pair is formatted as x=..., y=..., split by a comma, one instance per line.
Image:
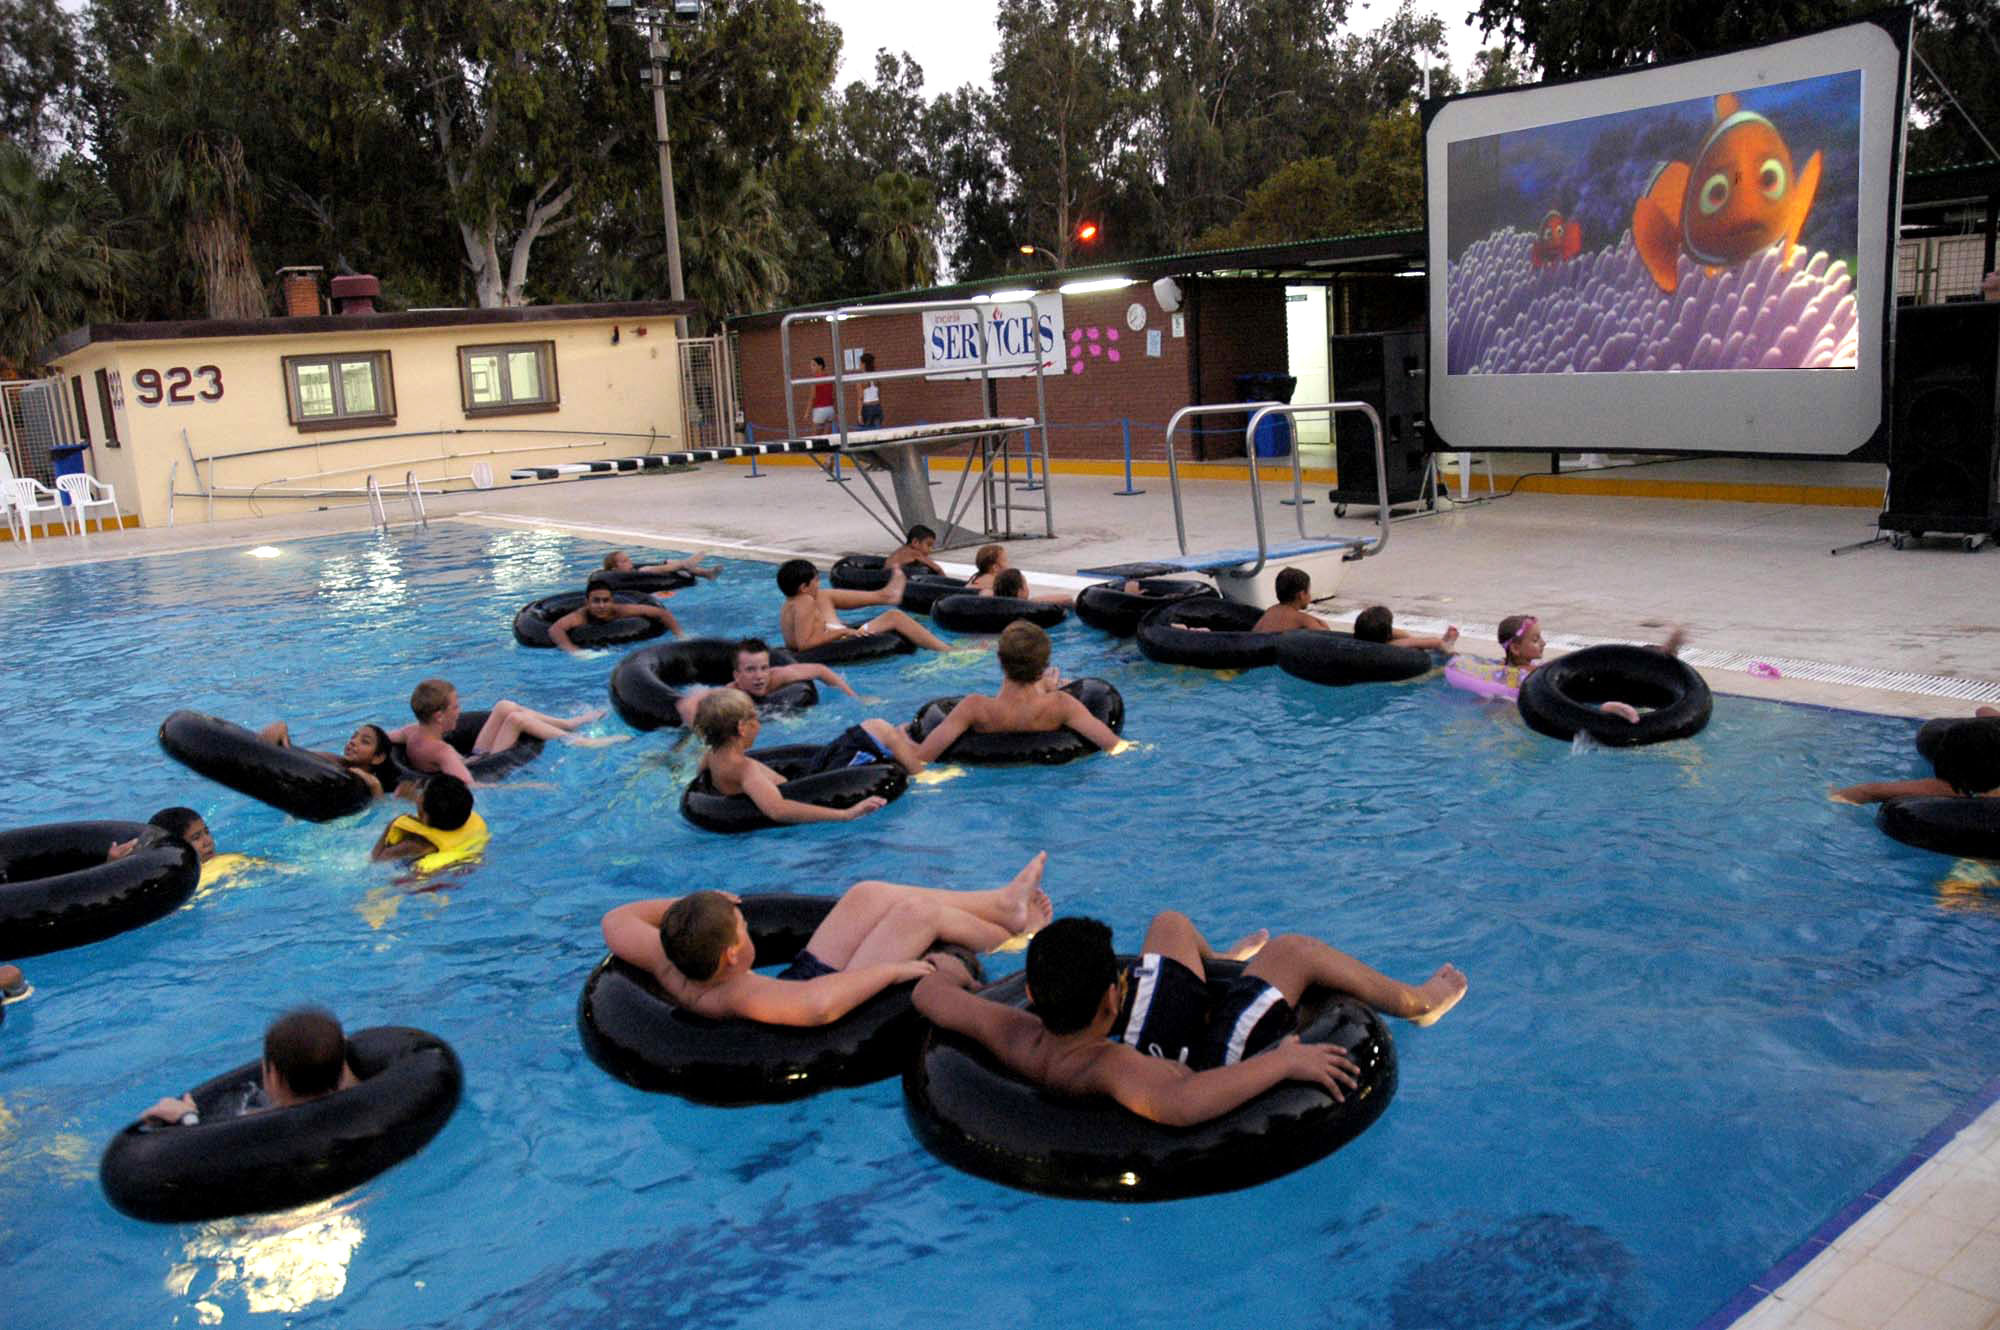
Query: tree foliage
x=1567, y=39
x=65, y=264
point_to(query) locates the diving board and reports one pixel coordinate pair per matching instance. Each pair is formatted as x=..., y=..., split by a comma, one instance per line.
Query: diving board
x=1222, y=560
x=660, y=461
x=903, y=451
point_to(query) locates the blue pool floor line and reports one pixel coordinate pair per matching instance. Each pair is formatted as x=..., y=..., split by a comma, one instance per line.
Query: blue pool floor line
x=1822, y=1238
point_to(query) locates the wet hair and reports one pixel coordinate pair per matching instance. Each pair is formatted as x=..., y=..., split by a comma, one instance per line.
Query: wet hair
x=1968, y=756
x=174, y=821
x=430, y=697
x=1010, y=583
x=794, y=574
x=1374, y=624
x=1291, y=581
x=987, y=556
x=920, y=532
x=1070, y=966
x=307, y=1049
x=446, y=803
x=597, y=582
x=718, y=714
x=697, y=929
x=1024, y=651
x=1510, y=628
x=611, y=560
x=748, y=646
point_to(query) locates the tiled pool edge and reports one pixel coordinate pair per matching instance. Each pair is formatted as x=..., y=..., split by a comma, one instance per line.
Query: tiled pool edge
x=1821, y=1240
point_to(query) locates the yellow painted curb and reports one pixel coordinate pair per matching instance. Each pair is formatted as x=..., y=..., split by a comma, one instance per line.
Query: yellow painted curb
x=1593, y=483
x=56, y=531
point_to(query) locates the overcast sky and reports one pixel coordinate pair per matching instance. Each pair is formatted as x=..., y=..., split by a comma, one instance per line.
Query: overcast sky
x=955, y=41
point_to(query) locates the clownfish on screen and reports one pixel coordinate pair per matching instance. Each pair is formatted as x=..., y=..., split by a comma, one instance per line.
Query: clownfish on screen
x=1559, y=239
x=1739, y=197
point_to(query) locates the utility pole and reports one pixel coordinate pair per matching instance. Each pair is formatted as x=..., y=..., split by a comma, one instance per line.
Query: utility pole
x=657, y=50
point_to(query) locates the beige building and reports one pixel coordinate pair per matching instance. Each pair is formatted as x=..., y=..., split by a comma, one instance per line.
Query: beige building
x=212, y=419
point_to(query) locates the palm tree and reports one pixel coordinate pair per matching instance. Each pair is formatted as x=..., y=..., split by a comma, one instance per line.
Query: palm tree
x=64, y=265
x=900, y=219
x=736, y=251
x=195, y=177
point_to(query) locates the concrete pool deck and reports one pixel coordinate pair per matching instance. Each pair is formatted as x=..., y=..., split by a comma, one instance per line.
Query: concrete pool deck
x=1911, y=632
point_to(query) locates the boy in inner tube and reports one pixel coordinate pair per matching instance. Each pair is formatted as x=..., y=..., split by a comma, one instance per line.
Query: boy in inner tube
x=915, y=551
x=880, y=933
x=808, y=618
x=305, y=1058
x=434, y=703
x=1967, y=763
x=1030, y=701
x=1289, y=614
x=601, y=605
x=752, y=672
x=1148, y=1036
x=727, y=721
x=994, y=576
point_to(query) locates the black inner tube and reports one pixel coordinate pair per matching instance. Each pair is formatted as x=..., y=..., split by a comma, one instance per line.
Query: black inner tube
x=286, y=778
x=859, y=572
x=57, y=889
x=1342, y=658
x=1964, y=826
x=634, y=580
x=711, y=810
x=978, y=1116
x=1109, y=608
x=1227, y=644
x=972, y=613
x=648, y=684
x=234, y=1164
x=1047, y=747
x=485, y=767
x=1561, y=697
x=857, y=647
x=532, y=622
x=634, y=1031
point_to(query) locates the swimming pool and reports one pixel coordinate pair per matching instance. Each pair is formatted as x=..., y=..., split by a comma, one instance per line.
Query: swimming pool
x=1707, y=1006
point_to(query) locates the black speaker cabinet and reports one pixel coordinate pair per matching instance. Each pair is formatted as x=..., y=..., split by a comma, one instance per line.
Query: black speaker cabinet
x=1385, y=370
x=1944, y=452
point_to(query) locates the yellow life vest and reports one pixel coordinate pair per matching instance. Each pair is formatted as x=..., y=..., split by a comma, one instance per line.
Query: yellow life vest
x=221, y=868
x=452, y=846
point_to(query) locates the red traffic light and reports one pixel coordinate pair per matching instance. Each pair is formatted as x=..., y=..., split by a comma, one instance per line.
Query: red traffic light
x=1086, y=231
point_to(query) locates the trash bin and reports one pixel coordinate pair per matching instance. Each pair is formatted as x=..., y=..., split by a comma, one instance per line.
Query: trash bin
x=1274, y=434
x=66, y=459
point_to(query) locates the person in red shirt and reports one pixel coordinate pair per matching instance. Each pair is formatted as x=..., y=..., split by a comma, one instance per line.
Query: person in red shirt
x=822, y=403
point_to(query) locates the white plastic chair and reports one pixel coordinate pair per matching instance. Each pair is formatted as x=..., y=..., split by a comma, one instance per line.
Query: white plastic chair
x=83, y=492
x=32, y=496
x=7, y=494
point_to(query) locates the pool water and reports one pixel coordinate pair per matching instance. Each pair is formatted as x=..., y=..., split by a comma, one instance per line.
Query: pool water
x=1708, y=1007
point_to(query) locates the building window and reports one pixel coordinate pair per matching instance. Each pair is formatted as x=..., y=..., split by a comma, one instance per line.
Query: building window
x=105, y=405
x=332, y=392
x=500, y=380
x=82, y=415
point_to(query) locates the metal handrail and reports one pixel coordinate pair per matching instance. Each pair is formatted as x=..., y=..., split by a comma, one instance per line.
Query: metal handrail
x=1258, y=411
x=415, y=493
x=378, y=517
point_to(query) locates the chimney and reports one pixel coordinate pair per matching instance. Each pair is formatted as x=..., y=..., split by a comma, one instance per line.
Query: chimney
x=301, y=287
x=355, y=294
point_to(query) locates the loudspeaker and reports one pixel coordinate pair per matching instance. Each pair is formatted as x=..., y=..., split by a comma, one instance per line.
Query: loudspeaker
x=1385, y=370
x=1167, y=294
x=1944, y=451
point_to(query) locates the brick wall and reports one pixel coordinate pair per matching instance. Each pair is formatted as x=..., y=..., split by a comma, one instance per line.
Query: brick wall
x=1232, y=327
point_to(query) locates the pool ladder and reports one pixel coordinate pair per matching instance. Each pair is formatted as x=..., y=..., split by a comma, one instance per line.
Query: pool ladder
x=413, y=494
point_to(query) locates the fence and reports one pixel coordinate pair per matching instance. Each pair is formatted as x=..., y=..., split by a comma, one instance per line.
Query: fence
x=35, y=416
x=708, y=392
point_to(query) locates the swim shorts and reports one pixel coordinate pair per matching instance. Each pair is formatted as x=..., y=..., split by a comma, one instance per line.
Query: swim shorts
x=1171, y=1012
x=806, y=966
x=855, y=747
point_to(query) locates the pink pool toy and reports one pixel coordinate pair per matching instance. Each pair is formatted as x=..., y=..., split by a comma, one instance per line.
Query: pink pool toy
x=1487, y=678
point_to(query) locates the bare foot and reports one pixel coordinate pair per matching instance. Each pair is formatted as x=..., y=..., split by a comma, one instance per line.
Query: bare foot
x=579, y=720
x=1243, y=948
x=1623, y=710
x=1439, y=994
x=1025, y=906
x=595, y=740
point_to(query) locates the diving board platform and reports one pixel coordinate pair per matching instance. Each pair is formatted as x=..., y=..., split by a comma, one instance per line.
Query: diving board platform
x=903, y=452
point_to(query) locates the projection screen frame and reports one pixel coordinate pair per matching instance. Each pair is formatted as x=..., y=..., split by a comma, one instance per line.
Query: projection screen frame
x=1851, y=410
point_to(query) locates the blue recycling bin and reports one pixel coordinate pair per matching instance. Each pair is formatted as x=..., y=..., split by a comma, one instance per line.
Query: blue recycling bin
x=1274, y=434
x=66, y=459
